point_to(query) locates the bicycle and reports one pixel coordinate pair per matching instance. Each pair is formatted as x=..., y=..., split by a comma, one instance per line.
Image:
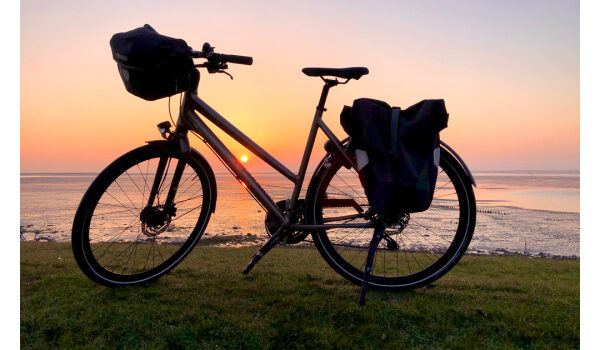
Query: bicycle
x=146, y=211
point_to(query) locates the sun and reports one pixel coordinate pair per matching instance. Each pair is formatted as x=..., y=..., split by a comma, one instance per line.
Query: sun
x=244, y=158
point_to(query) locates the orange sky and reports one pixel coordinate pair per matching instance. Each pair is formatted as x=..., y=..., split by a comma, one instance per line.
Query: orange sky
x=509, y=72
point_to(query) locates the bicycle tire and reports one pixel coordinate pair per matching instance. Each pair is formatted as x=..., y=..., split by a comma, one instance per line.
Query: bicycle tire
x=431, y=256
x=108, y=224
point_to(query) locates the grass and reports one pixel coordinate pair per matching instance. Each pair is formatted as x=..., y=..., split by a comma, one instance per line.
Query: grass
x=293, y=299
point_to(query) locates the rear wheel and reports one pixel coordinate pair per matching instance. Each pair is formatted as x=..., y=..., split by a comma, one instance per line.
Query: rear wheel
x=119, y=238
x=418, y=249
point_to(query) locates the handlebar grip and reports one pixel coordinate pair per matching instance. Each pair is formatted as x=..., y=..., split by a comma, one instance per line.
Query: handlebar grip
x=235, y=59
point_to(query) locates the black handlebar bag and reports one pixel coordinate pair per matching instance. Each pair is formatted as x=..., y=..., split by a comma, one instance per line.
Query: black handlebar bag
x=397, y=152
x=152, y=65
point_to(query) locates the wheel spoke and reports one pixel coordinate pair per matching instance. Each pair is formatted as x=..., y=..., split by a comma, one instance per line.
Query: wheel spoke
x=145, y=182
x=420, y=251
x=122, y=205
x=114, y=239
x=187, y=212
x=440, y=187
x=111, y=212
x=190, y=186
x=164, y=178
x=185, y=200
x=445, y=195
x=125, y=193
x=405, y=255
x=347, y=185
x=136, y=186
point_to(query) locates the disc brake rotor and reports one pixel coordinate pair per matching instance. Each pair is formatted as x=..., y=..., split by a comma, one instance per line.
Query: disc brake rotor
x=154, y=220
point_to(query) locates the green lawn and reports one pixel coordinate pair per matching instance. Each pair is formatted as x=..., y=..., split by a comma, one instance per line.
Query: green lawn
x=292, y=299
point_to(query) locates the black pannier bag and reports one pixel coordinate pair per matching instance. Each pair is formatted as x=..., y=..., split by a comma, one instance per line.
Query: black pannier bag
x=397, y=152
x=151, y=65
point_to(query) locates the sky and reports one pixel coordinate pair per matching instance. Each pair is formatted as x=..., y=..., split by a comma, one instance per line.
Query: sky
x=509, y=72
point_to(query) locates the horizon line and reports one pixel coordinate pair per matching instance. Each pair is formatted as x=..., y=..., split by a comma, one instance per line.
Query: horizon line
x=276, y=172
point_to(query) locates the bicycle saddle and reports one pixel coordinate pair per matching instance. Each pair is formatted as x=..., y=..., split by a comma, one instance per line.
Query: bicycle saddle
x=344, y=73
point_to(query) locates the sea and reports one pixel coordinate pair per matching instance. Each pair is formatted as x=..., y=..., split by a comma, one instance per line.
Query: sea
x=532, y=213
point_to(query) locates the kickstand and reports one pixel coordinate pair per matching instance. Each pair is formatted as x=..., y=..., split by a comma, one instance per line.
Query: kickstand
x=377, y=237
x=275, y=238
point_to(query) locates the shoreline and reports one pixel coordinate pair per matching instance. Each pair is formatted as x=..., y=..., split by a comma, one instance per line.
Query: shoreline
x=500, y=231
x=482, y=209
x=239, y=241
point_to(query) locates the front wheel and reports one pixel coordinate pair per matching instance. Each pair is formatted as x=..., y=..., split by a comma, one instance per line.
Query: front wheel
x=119, y=238
x=417, y=250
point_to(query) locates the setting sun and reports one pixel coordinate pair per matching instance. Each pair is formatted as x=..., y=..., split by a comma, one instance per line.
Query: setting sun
x=244, y=158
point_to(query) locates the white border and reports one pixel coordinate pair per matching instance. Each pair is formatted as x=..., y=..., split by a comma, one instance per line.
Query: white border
x=10, y=98
x=589, y=233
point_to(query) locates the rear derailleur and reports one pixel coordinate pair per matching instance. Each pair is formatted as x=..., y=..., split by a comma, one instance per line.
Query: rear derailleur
x=391, y=225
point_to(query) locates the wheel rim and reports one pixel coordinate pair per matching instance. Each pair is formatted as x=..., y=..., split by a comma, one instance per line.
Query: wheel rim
x=121, y=247
x=427, y=247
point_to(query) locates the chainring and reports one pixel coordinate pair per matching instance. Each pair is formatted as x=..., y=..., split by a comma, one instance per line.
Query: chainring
x=289, y=236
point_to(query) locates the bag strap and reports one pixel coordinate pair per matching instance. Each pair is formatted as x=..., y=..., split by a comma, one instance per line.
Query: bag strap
x=395, y=124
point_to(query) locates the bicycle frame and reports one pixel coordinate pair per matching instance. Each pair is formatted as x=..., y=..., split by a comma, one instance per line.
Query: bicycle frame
x=188, y=120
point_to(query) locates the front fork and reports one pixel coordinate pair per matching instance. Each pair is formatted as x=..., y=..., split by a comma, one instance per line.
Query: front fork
x=179, y=136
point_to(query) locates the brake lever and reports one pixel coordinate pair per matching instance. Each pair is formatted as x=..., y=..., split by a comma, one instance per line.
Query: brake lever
x=215, y=67
x=224, y=72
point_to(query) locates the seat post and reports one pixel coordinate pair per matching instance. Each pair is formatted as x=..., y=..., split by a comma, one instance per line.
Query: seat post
x=328, y=84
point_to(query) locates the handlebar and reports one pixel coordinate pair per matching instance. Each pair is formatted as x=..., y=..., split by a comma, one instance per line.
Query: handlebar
x=213, y=57
x=235, y=59
x=217, y=62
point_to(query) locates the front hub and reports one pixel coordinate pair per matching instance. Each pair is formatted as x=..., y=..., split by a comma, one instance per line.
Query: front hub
x=155, y=220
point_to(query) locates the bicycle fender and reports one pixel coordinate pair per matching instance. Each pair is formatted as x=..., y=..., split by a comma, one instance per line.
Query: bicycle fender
x=460, y=161
x=197, y=157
